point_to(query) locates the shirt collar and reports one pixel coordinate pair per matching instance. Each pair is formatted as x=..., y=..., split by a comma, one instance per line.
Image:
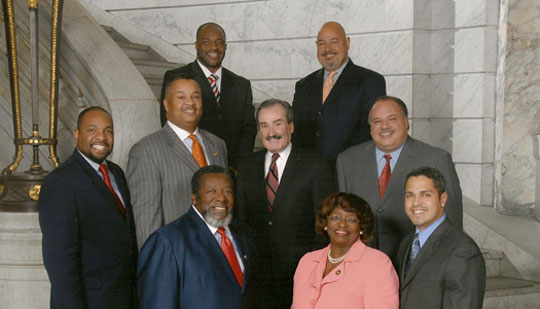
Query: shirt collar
x=338, y=70
x=424, y=235
x=207, y=72
x=181, y=133
x=284, y=154
x=93, y=164
x=395, y=154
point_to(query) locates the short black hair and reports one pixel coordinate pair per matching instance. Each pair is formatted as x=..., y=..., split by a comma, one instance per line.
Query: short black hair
x=210, y=169
x=390, y=98
x=178, y=76
x=89, y=109
x=272, y=102
x=432, y=173
x=208, y=24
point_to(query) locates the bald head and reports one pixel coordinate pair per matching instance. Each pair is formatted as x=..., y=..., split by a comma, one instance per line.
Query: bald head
x=332, y=46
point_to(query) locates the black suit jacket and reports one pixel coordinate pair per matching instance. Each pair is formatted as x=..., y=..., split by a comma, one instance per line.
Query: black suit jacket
x=449, y=271
x=341, y=121
x=182, y=266
x=287, y=232
x=233, y=120
x=89, y=248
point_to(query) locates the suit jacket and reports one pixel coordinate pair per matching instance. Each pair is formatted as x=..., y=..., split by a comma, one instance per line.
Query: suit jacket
x=287, y=232
x=365, y=279
x=233, y=120
x=183, y=266
x=159, y=174
x=89, y=248
x=341, y=121
x=357, y=173
x=449, y=271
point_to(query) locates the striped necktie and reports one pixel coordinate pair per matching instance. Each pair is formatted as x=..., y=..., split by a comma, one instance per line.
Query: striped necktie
x=272, y=181
x=213, y=84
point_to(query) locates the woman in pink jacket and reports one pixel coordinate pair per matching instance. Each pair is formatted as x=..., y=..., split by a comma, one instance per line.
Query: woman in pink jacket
x=347, y=273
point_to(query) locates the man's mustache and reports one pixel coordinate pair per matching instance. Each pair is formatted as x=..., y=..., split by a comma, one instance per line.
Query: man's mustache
x=275, y=136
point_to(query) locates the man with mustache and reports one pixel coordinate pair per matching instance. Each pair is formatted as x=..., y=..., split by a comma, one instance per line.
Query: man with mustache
x=161, y=164
x=85, y=214
x=227, y=98
x=332, y=104
x=376, y=171
x=278, y=191
x=199, y=260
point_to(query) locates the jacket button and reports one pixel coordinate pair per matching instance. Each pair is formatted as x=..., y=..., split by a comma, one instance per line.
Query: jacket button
x=270, y=223
x=313, y=302
x=338, y=272
x=380, y=210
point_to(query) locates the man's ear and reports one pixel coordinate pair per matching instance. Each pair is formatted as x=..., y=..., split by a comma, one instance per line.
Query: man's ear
x=76, y=134
x=194, y=199
x=444, y=198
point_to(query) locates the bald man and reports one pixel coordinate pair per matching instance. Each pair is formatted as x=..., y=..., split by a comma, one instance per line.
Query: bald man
x=331, y=105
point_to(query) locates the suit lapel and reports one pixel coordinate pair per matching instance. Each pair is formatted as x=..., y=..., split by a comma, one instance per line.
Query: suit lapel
x=287, y=176
x=371, y=161
x=178, y=147
x=400, y=170
x=241, y=244
x=429, y=248
x=227, y=85
x=211, y=148
x=97, y=182
x=340, y=83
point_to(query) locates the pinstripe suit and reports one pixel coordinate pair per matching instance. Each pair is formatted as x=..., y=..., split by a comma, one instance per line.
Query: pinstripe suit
x=159, y=175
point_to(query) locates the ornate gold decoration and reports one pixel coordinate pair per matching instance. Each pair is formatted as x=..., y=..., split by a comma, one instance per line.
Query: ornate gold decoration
x=33, y=192
x=2, y=190
x=32, y=4
x=53, y=98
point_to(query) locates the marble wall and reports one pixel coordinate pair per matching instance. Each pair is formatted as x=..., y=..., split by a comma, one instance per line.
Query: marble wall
x=519, y=106
x=440, y=57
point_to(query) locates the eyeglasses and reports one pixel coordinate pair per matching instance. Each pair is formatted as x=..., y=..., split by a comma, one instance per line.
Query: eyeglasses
x=337, y=218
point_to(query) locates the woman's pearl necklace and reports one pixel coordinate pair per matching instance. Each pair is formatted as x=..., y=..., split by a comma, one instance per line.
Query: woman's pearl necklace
x=336, y=260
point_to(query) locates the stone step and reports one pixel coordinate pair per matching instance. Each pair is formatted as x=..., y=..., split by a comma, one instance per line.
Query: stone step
x=154, y=69
x=493, y=261
x=115, y=35
x=503, y=292
x=135, y=51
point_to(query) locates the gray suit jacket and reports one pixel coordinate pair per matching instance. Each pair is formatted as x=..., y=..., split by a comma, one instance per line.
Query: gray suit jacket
x=159, y=175
x=449, y=271
x=357, y=173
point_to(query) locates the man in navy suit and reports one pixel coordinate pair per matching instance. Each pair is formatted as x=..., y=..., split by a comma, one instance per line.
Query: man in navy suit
x=227, y=108
x=199, y=260
x=89, y=245
x=331, y=105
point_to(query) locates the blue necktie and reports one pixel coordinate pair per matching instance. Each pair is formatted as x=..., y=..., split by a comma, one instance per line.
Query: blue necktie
x=415, y=249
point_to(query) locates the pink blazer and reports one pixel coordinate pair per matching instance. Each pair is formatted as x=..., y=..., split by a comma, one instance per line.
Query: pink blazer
x=365, y=279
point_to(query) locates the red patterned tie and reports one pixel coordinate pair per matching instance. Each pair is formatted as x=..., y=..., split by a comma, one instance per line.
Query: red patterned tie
x=105, y=173
x=213, y=84
x=385, y=176
x=228, y=250
x=272, y=182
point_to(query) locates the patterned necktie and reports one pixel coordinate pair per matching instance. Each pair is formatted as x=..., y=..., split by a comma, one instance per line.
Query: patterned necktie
x=272, y=181
x=328, y=85
x=385, y=176
x=228, y=250
x=415, y=249
x=213, y=84
x=105, y=173
x=197, y=152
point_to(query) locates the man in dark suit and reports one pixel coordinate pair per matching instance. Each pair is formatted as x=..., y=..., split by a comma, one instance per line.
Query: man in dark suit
x=227, y=106
x=89, y=245
x=376, y=171
x=278, y=191
x=439, y=266
x=161, y=164
x=332, y=104
x=199, y=260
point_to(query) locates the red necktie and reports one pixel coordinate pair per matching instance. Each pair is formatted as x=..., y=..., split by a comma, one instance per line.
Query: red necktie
x=272, y=182
x=228, y=250
x=105, y=173
x=385, y=176
x=197, y=152
x=213, y=84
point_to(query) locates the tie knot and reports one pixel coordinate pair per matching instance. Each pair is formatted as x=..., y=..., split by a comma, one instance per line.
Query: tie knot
x=331, y=75
x=387, y=157
x=193, y=137
x=103, y=169
x=221, y=231
x=275, y=156
x=213, y=77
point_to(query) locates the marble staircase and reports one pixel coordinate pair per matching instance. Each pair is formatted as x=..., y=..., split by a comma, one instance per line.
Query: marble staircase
x=149, y=63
